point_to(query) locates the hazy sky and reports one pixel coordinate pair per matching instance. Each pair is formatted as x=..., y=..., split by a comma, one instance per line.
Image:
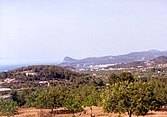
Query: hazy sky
x=49, y=30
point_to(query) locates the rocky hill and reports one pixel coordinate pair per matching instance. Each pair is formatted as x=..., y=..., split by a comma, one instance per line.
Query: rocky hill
x=160, y=61
x=108, y=60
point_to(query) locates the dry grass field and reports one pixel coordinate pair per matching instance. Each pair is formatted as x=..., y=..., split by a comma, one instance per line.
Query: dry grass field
x=97, y=111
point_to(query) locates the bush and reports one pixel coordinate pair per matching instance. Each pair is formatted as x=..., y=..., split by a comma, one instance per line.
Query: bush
x=7, y=107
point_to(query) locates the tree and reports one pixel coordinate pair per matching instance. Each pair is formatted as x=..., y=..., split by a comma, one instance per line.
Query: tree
x=73, y=104
x=19, y=97
x=50, y=98
x=160, y=90
x=124, y=76
x=30, y=97
x=135, y=98
x=7, y=107
x=113, y=78
x=84, y=95
x=90, y=96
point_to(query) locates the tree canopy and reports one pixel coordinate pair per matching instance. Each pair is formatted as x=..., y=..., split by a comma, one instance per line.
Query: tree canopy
x=125, y=94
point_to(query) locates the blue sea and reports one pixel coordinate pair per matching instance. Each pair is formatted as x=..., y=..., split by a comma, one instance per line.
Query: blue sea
x=10, y=67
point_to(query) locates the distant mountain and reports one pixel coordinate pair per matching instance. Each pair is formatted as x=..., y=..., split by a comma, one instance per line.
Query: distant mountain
x=68, y=59
x=160, y=61
x=135, y=64
x=108, y=60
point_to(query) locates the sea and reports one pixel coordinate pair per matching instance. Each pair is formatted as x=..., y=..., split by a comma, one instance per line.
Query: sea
x=10, y=67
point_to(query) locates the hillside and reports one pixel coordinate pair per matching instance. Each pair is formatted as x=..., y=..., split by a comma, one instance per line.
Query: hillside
x=160, y=61
x=127, y=58
x=44, y=75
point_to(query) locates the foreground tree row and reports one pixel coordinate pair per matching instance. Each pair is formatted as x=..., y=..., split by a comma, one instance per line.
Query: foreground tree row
x=128, y=94
x=123, y=93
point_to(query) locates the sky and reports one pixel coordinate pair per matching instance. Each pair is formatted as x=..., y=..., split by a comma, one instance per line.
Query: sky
x=48, y=30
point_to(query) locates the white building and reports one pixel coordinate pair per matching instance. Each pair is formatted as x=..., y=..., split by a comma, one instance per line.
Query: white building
x=5, y=93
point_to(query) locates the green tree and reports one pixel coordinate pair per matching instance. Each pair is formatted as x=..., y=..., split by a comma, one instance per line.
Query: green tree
x=73, y=104
x=19, y=97
x=84, y=95
x=50, y=97
x=31, y=96
x=90, y=96
x=113, y=78
x=124, y=76
x=135, y=98
x=7, y=107
x=160, y=90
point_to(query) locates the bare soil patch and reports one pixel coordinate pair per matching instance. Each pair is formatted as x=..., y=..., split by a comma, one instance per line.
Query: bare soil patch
x=97, y=111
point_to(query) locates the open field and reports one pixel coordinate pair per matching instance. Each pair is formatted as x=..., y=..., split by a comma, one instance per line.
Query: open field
x=97, y=111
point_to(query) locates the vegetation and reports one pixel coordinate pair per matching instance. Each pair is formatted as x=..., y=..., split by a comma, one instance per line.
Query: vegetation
x=71, y=98
x=124, y=76
x=7, y=107
x=160, y=89
x=42, y=72
x=125, y=94
x=29, y=77
x=135, y=98
x=118, y=92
